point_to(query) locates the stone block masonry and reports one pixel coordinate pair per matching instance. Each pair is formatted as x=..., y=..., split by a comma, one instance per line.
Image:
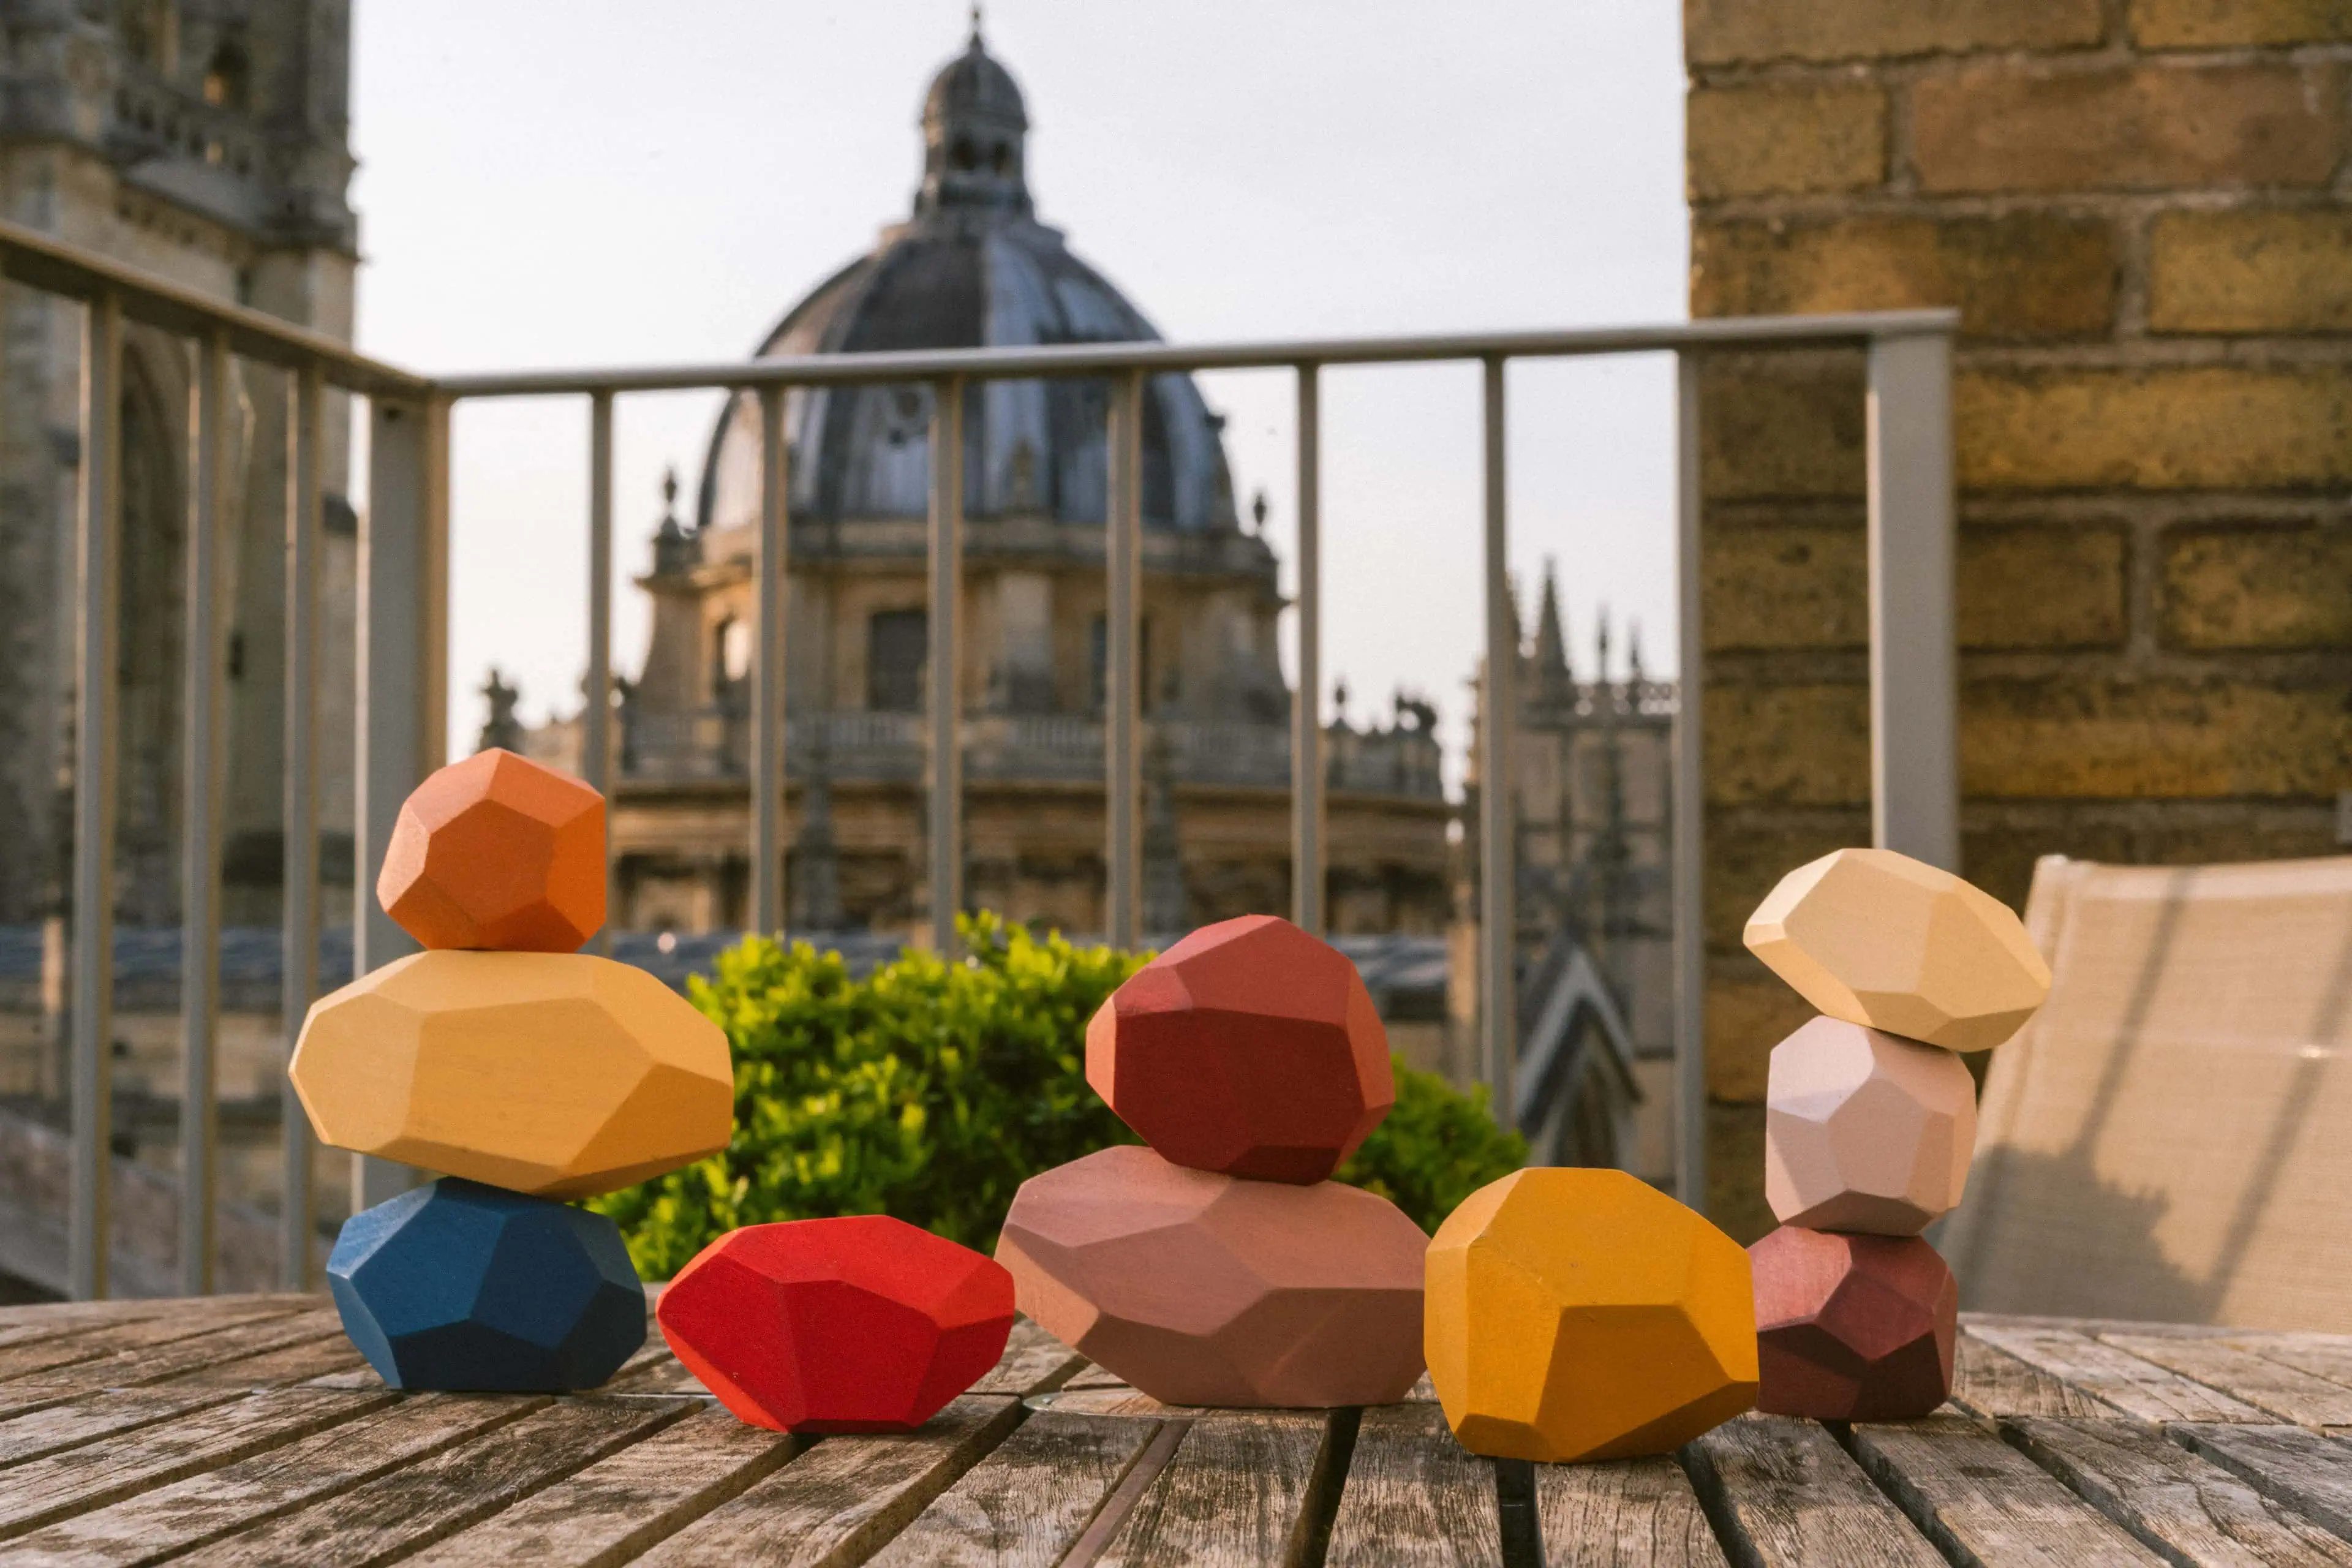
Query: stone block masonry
x=2143, y=211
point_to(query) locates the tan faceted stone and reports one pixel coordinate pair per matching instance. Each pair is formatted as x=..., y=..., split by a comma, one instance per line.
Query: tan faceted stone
x=1201, y=1288
x=1879, y=939
x=1865, y=1132
x=558, y=1075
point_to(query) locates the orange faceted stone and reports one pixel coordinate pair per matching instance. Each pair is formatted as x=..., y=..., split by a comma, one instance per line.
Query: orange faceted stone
x=498, y=852
x=1202, y=1289
x=1249, y=1048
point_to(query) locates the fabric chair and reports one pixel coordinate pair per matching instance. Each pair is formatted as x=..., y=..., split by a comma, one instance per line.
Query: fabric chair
x=2170, y=1138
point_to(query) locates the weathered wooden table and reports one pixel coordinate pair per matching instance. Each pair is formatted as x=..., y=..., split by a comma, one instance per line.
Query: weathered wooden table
x=244, y=1429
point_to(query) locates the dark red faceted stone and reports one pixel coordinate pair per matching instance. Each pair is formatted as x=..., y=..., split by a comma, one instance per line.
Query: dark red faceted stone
x=859, y=1324
x=1852, y=1328
x=1249, y=1048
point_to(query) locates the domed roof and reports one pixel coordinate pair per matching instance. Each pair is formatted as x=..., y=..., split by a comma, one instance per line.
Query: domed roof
x=971, y=267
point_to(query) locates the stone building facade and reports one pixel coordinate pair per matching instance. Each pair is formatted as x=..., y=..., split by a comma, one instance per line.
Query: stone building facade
x=2143, y=211
x=204, y=140
x=972, y=266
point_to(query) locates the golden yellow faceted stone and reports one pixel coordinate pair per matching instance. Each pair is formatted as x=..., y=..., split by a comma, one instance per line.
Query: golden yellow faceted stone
x=557, y=1074
x=1582, y=1314
x=1880, y=940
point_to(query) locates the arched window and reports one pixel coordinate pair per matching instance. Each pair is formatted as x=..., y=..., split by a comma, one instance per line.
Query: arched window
x=154, y=535
x=228, y=79
x=897, y=643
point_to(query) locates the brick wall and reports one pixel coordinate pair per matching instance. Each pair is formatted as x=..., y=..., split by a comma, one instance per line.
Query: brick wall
x=2143, y=210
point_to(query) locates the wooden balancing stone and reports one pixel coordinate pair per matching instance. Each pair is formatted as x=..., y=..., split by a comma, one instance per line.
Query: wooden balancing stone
x=527, y=1072
x=1582, y=1314
x=1218, y=1266
x=1870, y=1120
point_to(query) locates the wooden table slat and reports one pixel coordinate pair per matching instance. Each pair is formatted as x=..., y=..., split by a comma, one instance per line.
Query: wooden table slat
x=1028, y=1501
x=140, y=1335
x=137, y=1463
x=87, y=1417
x=1982, y=1501
x=1243, y=1487
x=837, y=1503
x=2137, y=1387
x=1411, y=1496
x=1782, y=1494
x=1624, y=1513
x=420, y=1502
x=2307, y=1472
x=2269, y=1385
x=1032, y=1362
x=303, y=1361
x=2326, y=1356
x=1992, y=1382
x=617, y=1507
x=2187, y=1508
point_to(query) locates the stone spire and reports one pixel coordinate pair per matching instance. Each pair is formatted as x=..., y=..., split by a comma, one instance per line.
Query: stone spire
x=1552, y=680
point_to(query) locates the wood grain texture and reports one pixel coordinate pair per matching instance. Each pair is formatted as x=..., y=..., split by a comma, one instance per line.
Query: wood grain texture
x=283, y=1367
x=2308, y=1473
x=1992, y=1382
x=88, y=1417
x=660, y=1374
x=419, y=1502
x=1089, y=1375
x=1240, y=1489
x=117, y=1340
x=2274, y=1386
x=1982, y=1501
x=1026, y=1503
x=2134, y=1386
x=158, y=1364
x=1034, y=1363
x=1412, y=1496
x=2189, y=1509
x=2327, y=1356
x=97, y=1473
x=1781, y=1494
x=1119, y=1401
x=1624, y=1513
x=617, y=1507
x=842, y=1499
x=216, y=1502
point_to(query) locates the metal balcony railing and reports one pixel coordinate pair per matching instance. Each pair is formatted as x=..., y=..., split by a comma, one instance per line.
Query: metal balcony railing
x=403, y=646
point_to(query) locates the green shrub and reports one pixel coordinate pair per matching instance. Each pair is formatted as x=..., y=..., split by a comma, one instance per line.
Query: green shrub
x=931, y=1090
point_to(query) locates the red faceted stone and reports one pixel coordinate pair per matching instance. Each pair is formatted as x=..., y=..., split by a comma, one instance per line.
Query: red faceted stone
x=859, y=1324
x=1248, y=1048
x=1852, y=1328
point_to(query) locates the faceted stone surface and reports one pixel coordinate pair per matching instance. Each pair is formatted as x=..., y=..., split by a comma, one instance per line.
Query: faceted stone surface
x=554, y=1074
x=459, y=1286
x=1879, y=939
x=858, y=1325
x=1202, y=1289
x=1852, y=1328
x=498, y=852
x=1582, y=1314
x=1249, y=1048
x=1866, y=1131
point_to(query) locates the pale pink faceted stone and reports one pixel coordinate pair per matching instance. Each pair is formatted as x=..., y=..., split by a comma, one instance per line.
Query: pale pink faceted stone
x=1866, y=1132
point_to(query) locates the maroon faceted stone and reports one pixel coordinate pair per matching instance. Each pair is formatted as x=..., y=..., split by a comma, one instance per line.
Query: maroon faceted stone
x=1852, y=1328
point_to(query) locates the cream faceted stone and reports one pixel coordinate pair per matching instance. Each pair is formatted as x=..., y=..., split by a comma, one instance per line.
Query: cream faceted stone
x=556, y=1074
x=1880, y=940
x=1866, y=1132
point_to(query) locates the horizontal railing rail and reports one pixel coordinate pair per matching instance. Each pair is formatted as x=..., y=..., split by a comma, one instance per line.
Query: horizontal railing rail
x=402, y=651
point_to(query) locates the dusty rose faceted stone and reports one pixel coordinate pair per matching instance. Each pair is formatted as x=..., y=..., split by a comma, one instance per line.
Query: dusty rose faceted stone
x=1250, y=1048
x=1852, y=1328
x=1864, y=1131
x=1202, y=1289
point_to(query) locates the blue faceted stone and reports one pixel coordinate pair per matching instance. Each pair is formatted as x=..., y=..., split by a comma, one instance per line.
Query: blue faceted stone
x=459, y=1286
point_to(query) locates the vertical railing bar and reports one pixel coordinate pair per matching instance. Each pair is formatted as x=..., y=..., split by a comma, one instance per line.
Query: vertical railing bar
x=204, y=682
x=1122, y=776
x=596, y=710
x=1914, y=682
x=299, y=980
x=945, y=635
x=1497, y=845
x=1307, y=708
x=768, y=667
x=1687, y=813
x=98, y=588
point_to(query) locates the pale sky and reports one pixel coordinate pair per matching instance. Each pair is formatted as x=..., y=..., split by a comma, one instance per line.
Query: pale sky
x=571, y=183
